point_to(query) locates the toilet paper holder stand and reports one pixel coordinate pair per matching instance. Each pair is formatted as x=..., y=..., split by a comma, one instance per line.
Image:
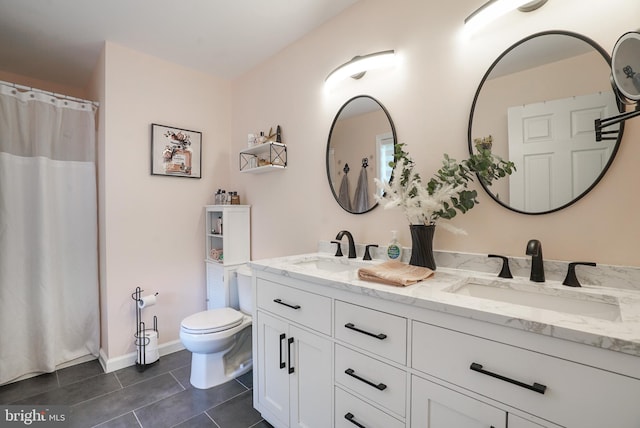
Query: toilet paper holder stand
x=141, y=339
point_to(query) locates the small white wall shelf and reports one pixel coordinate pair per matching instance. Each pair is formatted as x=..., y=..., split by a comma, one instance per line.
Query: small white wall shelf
x=274, y=153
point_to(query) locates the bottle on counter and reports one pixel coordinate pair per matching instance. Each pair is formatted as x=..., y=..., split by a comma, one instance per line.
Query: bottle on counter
x=394, y=250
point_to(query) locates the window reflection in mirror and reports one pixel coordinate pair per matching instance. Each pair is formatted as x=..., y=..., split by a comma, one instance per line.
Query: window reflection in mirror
x=538, y=102
x=359, y=149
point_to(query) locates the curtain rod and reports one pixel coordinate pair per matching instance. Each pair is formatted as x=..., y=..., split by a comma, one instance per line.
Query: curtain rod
x=42, y=91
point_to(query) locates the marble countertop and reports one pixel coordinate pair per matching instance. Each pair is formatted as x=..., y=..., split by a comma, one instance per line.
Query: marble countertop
x=621, y=334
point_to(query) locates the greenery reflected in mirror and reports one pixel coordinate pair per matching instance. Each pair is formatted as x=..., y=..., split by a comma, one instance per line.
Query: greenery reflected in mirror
x=359, y=149
x=536, y=106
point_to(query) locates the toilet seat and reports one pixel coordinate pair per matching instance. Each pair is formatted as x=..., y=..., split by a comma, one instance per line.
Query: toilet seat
x=212, y=321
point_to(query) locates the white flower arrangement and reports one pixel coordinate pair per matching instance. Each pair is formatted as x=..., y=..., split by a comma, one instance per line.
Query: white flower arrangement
x=446, y=193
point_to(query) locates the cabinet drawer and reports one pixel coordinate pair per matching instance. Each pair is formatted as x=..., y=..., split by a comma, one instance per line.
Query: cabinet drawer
x=308, y=309
x=575, y=396
x=374, y=331
x=349, y=409
x=370, y=378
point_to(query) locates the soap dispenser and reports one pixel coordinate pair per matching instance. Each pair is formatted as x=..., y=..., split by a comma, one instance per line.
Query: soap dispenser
x=394, y=250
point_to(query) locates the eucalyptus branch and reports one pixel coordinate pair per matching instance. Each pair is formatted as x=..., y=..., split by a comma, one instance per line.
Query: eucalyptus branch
x=446, y=192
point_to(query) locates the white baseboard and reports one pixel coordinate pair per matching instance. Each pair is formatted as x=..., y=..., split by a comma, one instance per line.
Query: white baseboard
x=117, y=363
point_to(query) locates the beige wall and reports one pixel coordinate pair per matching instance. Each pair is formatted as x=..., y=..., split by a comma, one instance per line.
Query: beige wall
x=151, y=228
x=428, y=96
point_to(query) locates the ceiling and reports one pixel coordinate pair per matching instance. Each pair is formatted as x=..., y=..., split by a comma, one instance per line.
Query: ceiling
x=61, y=40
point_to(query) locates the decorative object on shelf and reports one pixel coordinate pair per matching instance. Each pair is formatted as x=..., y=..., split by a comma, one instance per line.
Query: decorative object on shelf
x=359, y=65
x=444, y=195
x=175, y=152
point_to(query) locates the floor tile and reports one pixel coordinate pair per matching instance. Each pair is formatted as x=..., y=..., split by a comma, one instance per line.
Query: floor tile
x=126, y=421
x=246, y=379
x=26, y=388
x=76, y=392
x=101, y=409
x=79, y=372
x=183, y=375
x=262, y=424
x=130, y=375
x=236, y=413
x=185, y=405
x=200, y=421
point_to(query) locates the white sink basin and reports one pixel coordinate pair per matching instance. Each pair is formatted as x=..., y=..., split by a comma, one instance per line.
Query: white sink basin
x=330, y=264
x=570, y=301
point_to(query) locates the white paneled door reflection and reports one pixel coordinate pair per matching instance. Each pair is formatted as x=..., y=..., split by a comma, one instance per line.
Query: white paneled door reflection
x=553, y=146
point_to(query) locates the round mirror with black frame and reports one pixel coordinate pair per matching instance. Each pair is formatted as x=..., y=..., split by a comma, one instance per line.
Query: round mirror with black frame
x=536, y=106
x=359, y=148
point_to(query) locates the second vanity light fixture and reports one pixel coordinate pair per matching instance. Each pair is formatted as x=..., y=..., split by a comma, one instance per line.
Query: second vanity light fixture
x=493, y=9
x=358, y=66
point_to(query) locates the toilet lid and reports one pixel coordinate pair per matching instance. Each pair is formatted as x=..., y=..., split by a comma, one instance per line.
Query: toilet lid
x=212, y=321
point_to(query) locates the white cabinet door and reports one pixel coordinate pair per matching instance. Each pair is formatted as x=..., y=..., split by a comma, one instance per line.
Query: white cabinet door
x=273, y=373
x=311, y=381
x=294, y=375
x=434, y=406
x=518, y=422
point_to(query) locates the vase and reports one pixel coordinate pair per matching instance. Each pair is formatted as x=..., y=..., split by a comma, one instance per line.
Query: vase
x=422, y=245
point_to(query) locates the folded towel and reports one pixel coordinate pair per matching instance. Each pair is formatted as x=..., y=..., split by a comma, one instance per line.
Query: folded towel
x=395, y=273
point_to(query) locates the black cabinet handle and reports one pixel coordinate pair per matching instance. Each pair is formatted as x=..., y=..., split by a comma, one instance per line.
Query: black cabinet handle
x=380, y=336
x=536, y=387
x=282, y=363
x=280, y=302
x=349, y=417
x=289, y=342
x=379, y=386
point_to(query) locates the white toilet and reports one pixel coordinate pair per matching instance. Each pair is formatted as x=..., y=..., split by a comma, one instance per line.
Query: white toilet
x=220, y=337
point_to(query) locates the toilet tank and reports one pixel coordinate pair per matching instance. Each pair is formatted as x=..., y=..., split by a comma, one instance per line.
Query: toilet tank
x=243, y=281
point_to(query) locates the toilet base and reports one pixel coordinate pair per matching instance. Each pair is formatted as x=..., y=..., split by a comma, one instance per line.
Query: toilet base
x=209, y=370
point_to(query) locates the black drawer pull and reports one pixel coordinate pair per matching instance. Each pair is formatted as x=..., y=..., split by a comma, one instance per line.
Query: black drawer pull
x=352, y=373
x=289, y=342
x=536, y=387
x=380, y=336
x=279, y=301
x=282, y=363
x=349, y=417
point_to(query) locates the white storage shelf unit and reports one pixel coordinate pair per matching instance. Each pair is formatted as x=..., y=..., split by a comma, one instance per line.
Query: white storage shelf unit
x=233, y=239
x=274, y=153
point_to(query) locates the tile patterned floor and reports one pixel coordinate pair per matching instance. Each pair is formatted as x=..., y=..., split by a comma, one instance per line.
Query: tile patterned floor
x=161, y=396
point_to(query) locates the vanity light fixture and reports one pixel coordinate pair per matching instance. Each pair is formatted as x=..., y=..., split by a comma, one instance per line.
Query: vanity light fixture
x=359, y=65
x=493, y=9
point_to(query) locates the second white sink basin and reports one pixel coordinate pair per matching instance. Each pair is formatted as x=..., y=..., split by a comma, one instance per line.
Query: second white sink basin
x=577, y=302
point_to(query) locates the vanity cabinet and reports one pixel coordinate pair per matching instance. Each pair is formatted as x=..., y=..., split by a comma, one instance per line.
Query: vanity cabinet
x=565, y=392
x=293, y=364
x=379, y=363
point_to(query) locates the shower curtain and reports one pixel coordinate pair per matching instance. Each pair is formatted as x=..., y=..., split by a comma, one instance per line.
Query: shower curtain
x=48, y=232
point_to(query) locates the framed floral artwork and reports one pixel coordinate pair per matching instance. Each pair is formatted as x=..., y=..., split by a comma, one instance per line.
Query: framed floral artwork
x=175, y=152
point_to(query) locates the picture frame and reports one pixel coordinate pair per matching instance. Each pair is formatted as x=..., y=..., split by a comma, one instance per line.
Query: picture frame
x=175, y=152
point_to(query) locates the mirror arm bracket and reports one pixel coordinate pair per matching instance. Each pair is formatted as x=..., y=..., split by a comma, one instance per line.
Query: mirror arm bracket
x=609, y=121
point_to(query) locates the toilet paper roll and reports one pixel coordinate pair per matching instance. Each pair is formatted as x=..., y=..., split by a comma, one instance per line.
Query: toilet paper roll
x=147, y=301
x=150, y=340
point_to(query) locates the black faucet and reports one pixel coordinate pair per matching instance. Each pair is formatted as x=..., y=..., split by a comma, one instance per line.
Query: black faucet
x=352, y=245
x=534, y=249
